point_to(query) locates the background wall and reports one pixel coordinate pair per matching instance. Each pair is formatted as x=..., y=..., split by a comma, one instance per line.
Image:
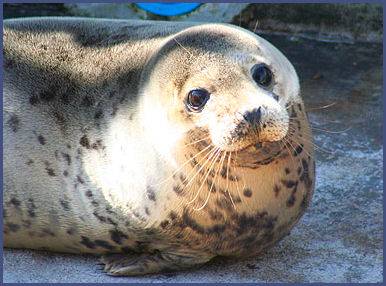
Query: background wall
x=328, y=22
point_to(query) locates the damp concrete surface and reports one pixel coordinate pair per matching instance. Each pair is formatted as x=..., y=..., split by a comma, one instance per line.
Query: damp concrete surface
x=340, y=238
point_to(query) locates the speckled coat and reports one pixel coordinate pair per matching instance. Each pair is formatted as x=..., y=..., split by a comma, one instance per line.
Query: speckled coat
x=101, y=156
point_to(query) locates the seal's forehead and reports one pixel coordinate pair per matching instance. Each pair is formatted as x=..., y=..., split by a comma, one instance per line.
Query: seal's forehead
x=228, y=40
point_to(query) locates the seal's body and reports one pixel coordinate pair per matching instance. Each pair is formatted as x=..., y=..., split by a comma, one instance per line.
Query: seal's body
x=158, y=144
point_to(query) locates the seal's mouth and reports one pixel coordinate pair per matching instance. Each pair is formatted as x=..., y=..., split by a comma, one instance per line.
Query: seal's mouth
x=251, y=155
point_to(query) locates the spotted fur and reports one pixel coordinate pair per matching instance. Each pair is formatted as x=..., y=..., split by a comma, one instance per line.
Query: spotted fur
x=101, y=154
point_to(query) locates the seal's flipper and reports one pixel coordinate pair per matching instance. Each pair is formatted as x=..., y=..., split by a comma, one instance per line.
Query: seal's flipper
x=140, y=264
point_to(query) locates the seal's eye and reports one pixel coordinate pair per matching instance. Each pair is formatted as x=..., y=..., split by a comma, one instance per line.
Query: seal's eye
x=262, y=75
x=197, y=99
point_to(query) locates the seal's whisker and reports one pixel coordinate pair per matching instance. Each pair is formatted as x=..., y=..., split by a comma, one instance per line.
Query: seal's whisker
x=207, y=158
x=289, y=106
x=237, y=183
x=322, y=107
x=291, y=119
x=292, y=139
x=310, y=141
x=333, y=132
x=180, y=168
x=256, y=24
x=211, y=187
x=318, y=148
x=197, y=141
x=289, y=151
x=227, y=186
x=213, y=152
x=218, y=151
x=190, y=54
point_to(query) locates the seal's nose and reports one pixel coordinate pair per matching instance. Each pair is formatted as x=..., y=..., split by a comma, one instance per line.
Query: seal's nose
x=253, y=117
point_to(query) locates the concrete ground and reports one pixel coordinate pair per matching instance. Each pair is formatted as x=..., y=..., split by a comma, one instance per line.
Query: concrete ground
x=340, y=238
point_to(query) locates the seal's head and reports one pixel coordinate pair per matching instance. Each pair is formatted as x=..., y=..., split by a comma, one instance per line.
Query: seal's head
x=223, y=82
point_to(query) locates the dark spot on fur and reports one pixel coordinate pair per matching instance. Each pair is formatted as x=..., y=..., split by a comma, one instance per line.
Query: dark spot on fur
x=164, y=223
x=41, y=140
x=259, y=220
x=34, y=99
x=188, y=221
x=233, y=178
x=85, y=142
x=172, y=215
x=177, y=189
x=97, y=145
x=298, y=150
x=300, y=106
x=89, y=193
x=87, y=242
x=13, y=227
x=291, y=200
x=247, y=193
x=98, y=114
x=215, y=215
x=65, y=205
x=287, y=171
x=65, y=173
x=276, y=190
x=15, y=202
x=104, y=244
x=13, y=123
x=182, y=178
x=305, y=176
x=80, y=179
x=299, y=170
x=67, y=158
x=289, y=183
x=31, y=208
x=70, y=231
x=211, y=186
x=224, y=205
x=147, y=211
x=150, y=194
x=50, y=172
x=99, y=217
x=110, y=221
x=47, y=95
x=117, y=236
x=29, y=162
x=94, y=203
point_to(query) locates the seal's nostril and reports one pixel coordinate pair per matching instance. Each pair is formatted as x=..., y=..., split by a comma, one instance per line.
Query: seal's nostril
x=253, y=117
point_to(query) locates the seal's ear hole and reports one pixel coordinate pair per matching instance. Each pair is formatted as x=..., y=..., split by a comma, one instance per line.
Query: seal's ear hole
x=262, y=75
x=197, y=99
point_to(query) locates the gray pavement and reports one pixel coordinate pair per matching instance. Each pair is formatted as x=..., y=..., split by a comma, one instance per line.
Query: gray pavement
x=340, y=238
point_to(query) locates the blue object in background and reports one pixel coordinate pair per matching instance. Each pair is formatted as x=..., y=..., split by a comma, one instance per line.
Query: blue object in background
x=168, y=9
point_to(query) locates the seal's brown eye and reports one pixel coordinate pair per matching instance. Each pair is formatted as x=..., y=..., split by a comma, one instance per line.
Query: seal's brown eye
x=262, y=75
x=196, y=99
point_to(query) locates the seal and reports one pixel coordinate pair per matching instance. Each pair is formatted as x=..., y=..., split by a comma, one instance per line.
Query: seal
x=158, y=145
